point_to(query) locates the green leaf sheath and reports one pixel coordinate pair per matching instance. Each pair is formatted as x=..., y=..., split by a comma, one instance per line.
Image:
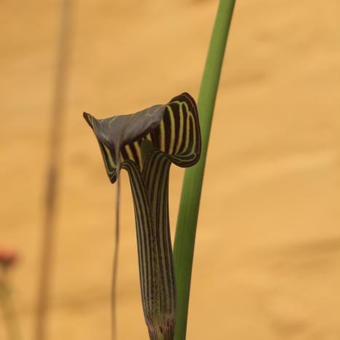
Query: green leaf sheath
x=193, y=178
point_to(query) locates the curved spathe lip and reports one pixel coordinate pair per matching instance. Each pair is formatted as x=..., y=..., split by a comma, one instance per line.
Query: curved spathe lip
x=172, y=129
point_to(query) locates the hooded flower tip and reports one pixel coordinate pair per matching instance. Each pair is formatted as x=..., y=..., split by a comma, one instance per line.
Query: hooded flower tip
x=88, y=118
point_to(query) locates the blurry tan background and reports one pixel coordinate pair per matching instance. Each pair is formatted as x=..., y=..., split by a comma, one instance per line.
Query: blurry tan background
x=267, y=262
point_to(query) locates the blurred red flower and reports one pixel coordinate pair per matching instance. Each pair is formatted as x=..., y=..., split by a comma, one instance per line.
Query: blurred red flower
x=8, y=258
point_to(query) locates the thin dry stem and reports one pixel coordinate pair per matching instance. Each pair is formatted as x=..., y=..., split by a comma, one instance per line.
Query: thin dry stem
x=53, y=168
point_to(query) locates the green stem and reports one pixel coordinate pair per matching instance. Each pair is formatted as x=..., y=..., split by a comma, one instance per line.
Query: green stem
x=193, y=178
x=9, y=314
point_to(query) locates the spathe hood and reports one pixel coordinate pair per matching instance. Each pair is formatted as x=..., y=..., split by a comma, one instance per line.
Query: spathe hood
x=172, y=129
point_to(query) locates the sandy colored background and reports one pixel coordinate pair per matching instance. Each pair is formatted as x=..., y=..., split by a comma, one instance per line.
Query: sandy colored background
x=267, y=264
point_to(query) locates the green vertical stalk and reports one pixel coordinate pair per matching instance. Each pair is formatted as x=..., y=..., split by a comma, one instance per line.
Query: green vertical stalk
x=193, y=178
x=10, y=318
